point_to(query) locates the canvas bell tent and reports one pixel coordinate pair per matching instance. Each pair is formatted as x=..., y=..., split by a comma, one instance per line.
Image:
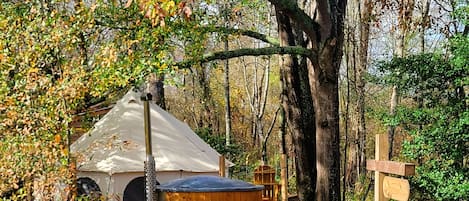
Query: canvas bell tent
x=112, y=154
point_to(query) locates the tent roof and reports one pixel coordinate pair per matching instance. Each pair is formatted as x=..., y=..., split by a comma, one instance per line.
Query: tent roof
x=117, y=142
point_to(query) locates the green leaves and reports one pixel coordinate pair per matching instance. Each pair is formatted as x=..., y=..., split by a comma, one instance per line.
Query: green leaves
x=438, y=121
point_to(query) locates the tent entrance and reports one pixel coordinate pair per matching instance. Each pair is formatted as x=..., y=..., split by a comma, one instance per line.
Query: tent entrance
x=135, y=190
x=87, y=187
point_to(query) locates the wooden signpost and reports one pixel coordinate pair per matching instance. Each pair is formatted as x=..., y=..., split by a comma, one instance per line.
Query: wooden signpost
x=387, y=187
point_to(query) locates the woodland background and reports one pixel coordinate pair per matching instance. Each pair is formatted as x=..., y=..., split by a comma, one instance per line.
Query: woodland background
x=403, y=72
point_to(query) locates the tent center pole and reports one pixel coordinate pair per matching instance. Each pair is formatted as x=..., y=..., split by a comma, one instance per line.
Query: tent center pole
x=150, y=177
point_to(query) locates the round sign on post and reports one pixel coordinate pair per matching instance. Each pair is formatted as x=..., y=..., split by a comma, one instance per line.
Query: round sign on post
x=395, y=188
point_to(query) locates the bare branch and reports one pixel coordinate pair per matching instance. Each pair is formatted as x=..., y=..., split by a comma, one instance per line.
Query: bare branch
x=264, y=144
x=272, y=124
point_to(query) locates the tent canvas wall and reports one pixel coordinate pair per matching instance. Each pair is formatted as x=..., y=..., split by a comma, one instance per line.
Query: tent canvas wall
x=113, y=152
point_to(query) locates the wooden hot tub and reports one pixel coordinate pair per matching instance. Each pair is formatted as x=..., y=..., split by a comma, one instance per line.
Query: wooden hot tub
x=209, y=188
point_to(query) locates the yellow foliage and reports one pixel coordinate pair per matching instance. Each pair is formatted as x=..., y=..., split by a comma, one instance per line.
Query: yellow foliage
x=57, y=139
x=47, y=72
x=42, y=83
x=157, y=11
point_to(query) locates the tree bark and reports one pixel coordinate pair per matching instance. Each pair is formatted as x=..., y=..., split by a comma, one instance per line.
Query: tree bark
x=424, y=23
x=351, y=58
x=325, y=96
x=227, y=85
x=392, y=112
x=155, y=86
x=365, y=20
x=299, y=112
x=324, y=30
x=227, y=100
x=202, y=76
x=283, y=148
x=346, y=117
x=324, y=86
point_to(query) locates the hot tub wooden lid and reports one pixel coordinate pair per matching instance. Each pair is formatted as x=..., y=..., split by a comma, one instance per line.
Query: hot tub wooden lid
x=208, y=184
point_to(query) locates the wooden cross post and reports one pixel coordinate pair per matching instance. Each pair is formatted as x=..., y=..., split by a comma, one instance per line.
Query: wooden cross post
x=389, y=187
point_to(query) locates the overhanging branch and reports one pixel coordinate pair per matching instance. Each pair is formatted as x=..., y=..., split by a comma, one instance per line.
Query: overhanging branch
x=256, y=35
x=227, y=30
x=294, y=50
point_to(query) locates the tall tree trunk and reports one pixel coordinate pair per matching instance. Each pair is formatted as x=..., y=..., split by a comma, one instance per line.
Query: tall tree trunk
x=323, y=28
x=406, y=8
x=155, y=86
x=424, y=23
x=227, y=101
x=283, y=150
x=282, y=133
x=350, y=157
x=325, y=95
x=227, y=89
x=324, y=86
x=358, y=12
x=365, y=20
x=349, y=59
x=206, y=120
x=392, y=112
x=299, y=112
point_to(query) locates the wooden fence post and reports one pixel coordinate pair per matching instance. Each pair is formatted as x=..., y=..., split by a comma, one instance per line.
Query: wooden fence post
x=283, y=177
x=381, y=153
x=221, y=164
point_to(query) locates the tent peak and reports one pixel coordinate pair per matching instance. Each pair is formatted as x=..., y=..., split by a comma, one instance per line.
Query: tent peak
x=132, y=97
x=132, y=101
